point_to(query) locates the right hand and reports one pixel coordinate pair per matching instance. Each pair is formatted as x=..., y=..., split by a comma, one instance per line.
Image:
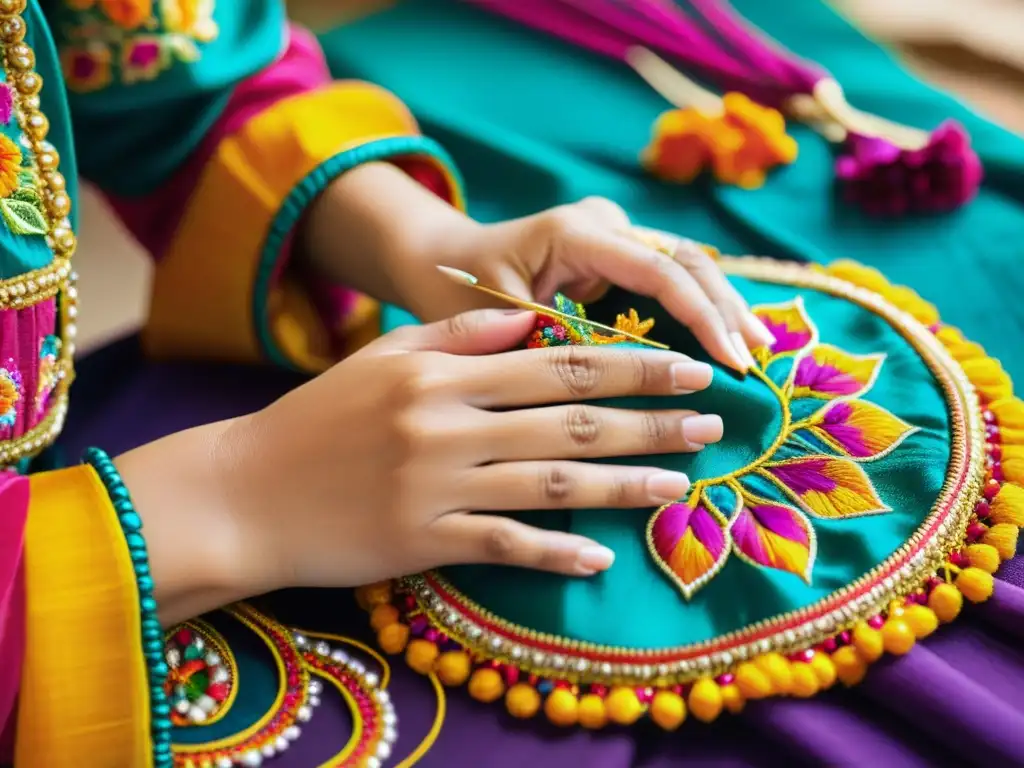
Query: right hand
x=395, y=460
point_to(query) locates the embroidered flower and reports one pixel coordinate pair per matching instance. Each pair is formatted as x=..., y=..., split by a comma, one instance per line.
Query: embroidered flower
x=190, y=17
x=10, y=166
x=815, y=465
x=86, y=68
x=10, y=394
x=6, y=103
x=127, y=14
x=49, y=352
x=143, y=58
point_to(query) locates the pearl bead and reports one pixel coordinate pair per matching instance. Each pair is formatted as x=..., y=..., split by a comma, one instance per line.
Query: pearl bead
x=339, y=656
x=356, y=667
x=373, y=762
x=196, y=715
x=212, y=659
x=173, y=657
x=314, y=701
x=390, y=735
x=182, y=707
x=12, y=30
x=323, y=649
x=224, y=762
x=300, y=640
x=304, y=714
x=390, y=718
x=268, y=750
x=281, y=744
x=252, y=759
x=292, y=732
x=383, y=750
x=315, y=687
x=372, y=679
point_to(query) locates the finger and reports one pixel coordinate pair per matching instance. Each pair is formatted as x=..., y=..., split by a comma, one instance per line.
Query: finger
x=604, y=212
x=745, y=330
x=523, y=485
x=587, y=432
x=639, y=268
x=480, y=332
x=569, y=373
x=465, y=539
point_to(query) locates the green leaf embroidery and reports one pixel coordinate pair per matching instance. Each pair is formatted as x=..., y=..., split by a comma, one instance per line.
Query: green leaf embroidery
x=22, y=217
x=27, y=195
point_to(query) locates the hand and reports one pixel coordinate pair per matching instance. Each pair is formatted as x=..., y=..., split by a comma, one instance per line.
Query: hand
x=395, y=460
x=378, y=231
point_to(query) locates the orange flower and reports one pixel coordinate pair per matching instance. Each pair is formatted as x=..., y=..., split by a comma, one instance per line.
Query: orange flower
x=191, y=17
x=86, y=68
x=128, y=14
x=679, y=150
x=9, y=396
x=10, y=165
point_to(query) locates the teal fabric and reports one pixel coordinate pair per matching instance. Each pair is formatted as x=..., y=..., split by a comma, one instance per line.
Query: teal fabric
x=304, y=193
x=533, y=122
x=20, y=253
x=647, y=608
x=119, y=127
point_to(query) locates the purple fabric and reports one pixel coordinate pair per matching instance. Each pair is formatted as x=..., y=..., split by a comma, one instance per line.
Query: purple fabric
x=956, y=700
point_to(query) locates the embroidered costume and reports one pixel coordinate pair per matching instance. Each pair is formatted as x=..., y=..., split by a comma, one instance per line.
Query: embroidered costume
x=861, y=512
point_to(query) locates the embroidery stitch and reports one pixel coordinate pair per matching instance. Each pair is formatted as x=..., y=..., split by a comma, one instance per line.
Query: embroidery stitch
x=203, y=679
x=49, y=371
x=132, y=40
x=10, y=394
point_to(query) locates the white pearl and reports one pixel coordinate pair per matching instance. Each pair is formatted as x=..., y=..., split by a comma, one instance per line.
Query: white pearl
x=281, y=744
x=322, y=648
x=314, y=701
x=198, y=643
x=224, y=762
x=206, y=703
x=339, y=656
x=372, y=679
x=390, y=735
x=300, y=640
x=268, y=750
x=315, y=687
x=356, y=667
x=220, y=675
x=292, y=732
x=304, y=714
x=373, y=762
x=173, y=657
x=196, y=715
x=384, y=750
x=390, y=718
x=381, y=696
x=182, y=706
x=212, y=659
x=252, y=759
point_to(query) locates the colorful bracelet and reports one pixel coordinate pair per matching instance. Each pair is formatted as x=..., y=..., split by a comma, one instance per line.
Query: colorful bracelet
x=152, y=632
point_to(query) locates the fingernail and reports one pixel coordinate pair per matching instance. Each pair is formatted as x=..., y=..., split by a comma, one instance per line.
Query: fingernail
x=516, y=311
x=741, y=349
x=690, y=377
x=705, y=428
x=766, y=337
x=594, y=558
x=667, y=486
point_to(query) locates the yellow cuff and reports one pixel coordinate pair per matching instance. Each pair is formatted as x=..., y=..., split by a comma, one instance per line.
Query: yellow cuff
x=217, y=292
x=84, y=693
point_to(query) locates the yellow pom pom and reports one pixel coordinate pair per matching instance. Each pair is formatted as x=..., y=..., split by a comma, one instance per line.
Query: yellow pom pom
x=967, y=350
x=668, y=710
x=382, y=615
x=983, y=556
x=1013, y=469
x=392, y=638
x=825, y=669
x=592, y=713
x=910, y=302
x=522, y=701
x=486, y=685
x=946, y=601
x=420, y=655
x=777, y=668
x=989, y=377
x=850, y=667
x=858, y=274
x=453, y=668
x=623, y=706
x=752, y=682
x=1003, y=537
x=706, y=699
x=805, y=681
x=949, y=335
x=975, y=584
x=732, y=698
x=1011, y=437
x=1008, y=505
x=1009, y=412
x=373, y=595
x=898, y=636
x=562, y=708
x=868, y=642
x=922, y=620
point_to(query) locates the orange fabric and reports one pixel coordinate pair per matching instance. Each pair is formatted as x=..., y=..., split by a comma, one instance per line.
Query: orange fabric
x=202, y=302
x=84, y=690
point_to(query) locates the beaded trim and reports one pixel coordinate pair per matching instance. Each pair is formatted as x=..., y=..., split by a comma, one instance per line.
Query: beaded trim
x=56, y=278
x=488, y=636
x=152, y=649
x=197, y=649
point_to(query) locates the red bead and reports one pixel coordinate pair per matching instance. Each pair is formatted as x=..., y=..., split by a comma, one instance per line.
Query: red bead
x=432, y=635
x=599, y=690
x=876, y=622
x=997, y=473
x=677, y=689
x=645, y=695
x=830, y=645
x=511, y=675
x=844, y=637
x=533, y=680
x=995, y=451
x=988, y=416
x=991, y=489
x=959, y=559
x=563, y=684
x=183, y=637
x=726, y=679
x=975, y=531
x=982, y=509
x=408, y=602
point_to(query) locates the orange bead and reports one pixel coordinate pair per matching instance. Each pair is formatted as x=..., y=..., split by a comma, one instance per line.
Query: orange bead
x=382, y=615
x=392, y=638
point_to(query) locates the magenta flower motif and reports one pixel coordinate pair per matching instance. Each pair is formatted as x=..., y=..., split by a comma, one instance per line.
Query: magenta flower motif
x=6, y=103
x=691, y=543
x=885, y=180
x=827, y=373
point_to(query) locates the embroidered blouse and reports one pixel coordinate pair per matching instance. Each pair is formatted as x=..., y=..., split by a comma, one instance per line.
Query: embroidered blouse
x=209, y=127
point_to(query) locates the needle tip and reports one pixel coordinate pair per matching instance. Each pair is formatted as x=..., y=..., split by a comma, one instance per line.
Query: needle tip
x=458, y=275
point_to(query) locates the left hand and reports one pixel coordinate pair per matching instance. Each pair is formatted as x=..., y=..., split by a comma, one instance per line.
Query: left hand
x=579, y=250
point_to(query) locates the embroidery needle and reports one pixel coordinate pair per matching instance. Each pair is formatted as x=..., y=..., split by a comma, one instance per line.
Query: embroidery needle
x=464, y=278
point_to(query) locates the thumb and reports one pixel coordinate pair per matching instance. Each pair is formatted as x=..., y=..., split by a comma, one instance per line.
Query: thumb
x=480, y=332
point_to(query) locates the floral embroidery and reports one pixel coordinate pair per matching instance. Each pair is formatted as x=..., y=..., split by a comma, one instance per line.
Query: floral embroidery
x=814, y=465
x=558, y=332
x=49, y=353
x=134, y=40
x=20, y=204
x=203, y=675
x=10, y=165
x=10, y=394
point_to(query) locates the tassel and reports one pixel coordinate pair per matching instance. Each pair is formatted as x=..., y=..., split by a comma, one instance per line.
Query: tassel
x=975, y=584
x=921, y=620
x=1010, y=436
x=592, y=712
x=486, y=685
x=825, y=669
x=777, y=668
x=752, y=682
x=967, y=350
x=1009, y=412
x=858, y=274
x=1003, y=537
x=1008, y=505
x=989, y=377
x=453, y=668
x=1013, y=469
x=983, y=556
x=805, y=682
x=373, y=595
x=733, y=699
x=850, y=667
x=898, y=637
x=623, y=706
x=949, y=336
x=668, y=709
x=868, y=641
x=706, y=700
x=420, y=655
x=946, y=601
x=522, y=701
x=562, y=708
x=383, y=615
x=907, y=300
x=393, y=638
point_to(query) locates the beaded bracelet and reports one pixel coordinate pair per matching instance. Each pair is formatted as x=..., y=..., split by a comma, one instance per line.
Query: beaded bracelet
x=152, y=632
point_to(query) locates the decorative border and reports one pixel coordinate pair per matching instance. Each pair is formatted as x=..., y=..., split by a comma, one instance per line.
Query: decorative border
x=216, y=643
x=489, y=636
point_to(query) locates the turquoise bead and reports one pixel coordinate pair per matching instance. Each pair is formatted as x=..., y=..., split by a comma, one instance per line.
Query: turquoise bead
x=161, y=710
x=145, y=584
x=155, y=647
x=131, y=522
x=138, y=555
x=135, y=541
x=148, y=604
x=151, y=633
x=142, y=569
x=162, y=724
x=160, y=669
x=120, y=493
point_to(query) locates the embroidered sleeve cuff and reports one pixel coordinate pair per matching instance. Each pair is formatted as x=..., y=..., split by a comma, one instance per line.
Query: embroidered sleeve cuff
x=83, y=686
x=229, y=255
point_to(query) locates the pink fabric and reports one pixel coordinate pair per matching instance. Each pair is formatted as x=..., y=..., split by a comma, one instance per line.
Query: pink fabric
x=301, y=68
x=21, y=333
x=14, y=493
